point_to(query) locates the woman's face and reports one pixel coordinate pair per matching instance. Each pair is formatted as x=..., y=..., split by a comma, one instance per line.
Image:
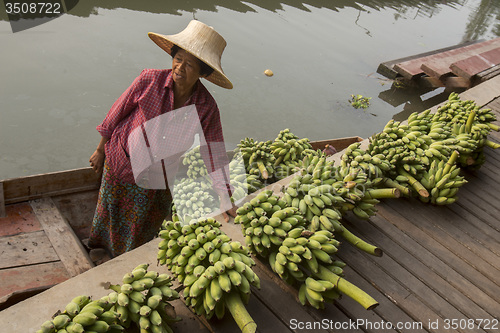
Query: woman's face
x=185, y=69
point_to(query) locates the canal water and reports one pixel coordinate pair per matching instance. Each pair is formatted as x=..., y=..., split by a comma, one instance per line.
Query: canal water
x=59, y=79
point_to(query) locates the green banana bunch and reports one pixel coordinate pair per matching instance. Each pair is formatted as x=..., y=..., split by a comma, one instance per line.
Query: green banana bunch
x=143, y=299
x=194, y=162
x=313, y=194
x=213, y=269
x=442, y=181
x=374, y=165
x=288, y=151
x=277, y=233
x=262, y=226
x=194, y=197
x=258, y=157
x=243, y=183
x=84, y=315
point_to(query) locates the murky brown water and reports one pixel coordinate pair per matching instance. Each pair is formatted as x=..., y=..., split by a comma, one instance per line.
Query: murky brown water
x=59, y=79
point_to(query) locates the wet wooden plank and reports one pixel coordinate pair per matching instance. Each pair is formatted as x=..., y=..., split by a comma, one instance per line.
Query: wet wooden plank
x=29, y=277
x=412, y=68
x=469, y=67
x=19, y=219
x=66, y=244
x=26, y=249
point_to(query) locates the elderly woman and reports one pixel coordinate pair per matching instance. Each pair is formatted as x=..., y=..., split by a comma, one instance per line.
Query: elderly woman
x=127, y=215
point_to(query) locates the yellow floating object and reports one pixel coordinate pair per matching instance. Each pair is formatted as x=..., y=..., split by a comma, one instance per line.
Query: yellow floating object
x=268, y=72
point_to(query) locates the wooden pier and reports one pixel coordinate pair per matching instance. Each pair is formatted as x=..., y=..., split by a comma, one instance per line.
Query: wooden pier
x=440, y=271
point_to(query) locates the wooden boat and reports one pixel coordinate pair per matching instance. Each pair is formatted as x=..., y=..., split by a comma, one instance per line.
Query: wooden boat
x=43, y=219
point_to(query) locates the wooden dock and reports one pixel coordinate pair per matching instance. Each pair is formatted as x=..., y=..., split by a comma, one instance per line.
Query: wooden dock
x=440, y=271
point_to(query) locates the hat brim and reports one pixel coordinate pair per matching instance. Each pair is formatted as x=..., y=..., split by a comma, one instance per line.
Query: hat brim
x=167, y=41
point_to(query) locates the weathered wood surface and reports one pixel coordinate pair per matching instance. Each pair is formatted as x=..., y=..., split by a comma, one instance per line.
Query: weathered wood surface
x=467, y=68
x=438, y=64
x=49, y=184
x=2, y=202
x=26, y=249
x=21, y=279
x=62, y=237
x=387, y=68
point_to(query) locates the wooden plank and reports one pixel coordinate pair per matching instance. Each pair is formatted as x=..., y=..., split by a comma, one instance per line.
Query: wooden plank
x=388, y=285
x=433, y=291
x=338, y=144
x=387, y=310
x=438, y=277
x=469, y=67
x=387, y=68
x=440, y=66
x=446, y=256
x=2, y=202
x=19, y=219
x=412, y=68
x=26, y=249
x=486, y=75
x=68, y=247
x=49, y=184
x=425, y=223
x=29, y=277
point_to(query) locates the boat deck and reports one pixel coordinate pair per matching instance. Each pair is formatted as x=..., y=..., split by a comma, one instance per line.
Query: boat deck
x=440, y=271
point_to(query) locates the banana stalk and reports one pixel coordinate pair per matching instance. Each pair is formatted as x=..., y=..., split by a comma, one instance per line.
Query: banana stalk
x=451, y=162
x=415, y=184
x=240, y=313
x=491, y=144
x=470, y=120
x=359, y=243
x=383, y=193
x=402, y=189
x=348, y=288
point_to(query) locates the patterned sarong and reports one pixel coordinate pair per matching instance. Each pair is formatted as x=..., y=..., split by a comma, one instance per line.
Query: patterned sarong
x=127, y=215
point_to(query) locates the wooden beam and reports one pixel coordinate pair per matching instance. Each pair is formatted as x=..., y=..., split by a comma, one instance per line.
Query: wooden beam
x=49, y=184
x=2, y=202
x=66, y=244
x=434, y=63
x=387, y=68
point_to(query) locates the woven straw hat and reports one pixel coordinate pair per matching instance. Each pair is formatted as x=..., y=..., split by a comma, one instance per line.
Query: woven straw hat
x=201, y=41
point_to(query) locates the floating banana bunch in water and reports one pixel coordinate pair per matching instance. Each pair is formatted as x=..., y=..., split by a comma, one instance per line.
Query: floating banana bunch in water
x=215, y=272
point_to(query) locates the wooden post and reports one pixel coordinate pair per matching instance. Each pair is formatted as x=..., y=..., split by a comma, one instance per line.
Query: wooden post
x=2, y=202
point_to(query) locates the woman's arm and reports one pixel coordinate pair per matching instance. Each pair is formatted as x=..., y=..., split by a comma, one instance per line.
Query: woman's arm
x=97, y=158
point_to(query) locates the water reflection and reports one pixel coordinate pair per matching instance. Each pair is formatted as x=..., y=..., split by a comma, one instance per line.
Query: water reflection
x=85, y=8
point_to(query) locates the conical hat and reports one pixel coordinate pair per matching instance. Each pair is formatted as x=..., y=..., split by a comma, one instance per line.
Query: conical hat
x=201, y=41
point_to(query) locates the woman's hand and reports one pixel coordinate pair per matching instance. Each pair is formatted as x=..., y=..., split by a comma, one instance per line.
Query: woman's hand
x=97, y=161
